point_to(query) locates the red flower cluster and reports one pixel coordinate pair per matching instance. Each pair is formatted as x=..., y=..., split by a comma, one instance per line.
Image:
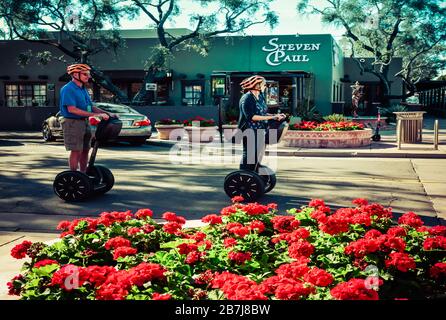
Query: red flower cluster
x=44, y=262
x=438, y=270
x=327, y=126
x=257, y=226
x=411, y=219
x=229, y=242
x=285, y=223
x=254, y=209
x=239, y=257
x=294, y=270
x=122, y=252
x=319, y=277
x=237, y=199
x=204, y=277
x=237, y=229
x=374, y=241
x=110, y=283
x=285, y=288
x=290, y=237
x=172, y=227
x=134, y=230
x=212, y=219
x=354, y=289
x=158, y=296
x=300, y=248
x=227, y=211
x=117, y=242
x=401, y=261
x=237, y=287
x=438, y=242
x=143, y=213
x=19, y=251
x=14, y=286
x=172, y=217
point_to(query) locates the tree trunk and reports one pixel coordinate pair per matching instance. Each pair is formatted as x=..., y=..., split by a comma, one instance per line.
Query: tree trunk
x=105, y=82
x=140, y=97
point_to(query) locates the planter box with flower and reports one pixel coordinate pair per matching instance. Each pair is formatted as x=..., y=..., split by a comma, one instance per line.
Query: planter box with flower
x=169, y=129
x=200, y=129
x=246, y=252
x=329, y=134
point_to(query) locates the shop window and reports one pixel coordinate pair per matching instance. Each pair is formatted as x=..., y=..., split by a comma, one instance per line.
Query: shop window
x=193, y=93
x=25, y=94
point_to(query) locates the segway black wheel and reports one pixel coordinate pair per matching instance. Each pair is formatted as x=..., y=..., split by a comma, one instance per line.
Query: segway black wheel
x=269, y=178
x=72, y=186
x=376, y=137
x=102, y=177
x=247, y=184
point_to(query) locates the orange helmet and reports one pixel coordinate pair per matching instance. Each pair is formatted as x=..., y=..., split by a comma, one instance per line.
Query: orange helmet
x=77, y=67
x=251, y=82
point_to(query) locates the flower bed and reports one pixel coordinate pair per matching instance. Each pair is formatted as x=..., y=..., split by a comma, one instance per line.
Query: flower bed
x=343, y=134
x=246, y=252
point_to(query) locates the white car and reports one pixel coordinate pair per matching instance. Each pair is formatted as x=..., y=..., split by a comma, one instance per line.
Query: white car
x=136, y=127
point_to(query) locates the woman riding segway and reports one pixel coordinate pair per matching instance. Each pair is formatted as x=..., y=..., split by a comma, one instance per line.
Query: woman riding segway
x=254, y=122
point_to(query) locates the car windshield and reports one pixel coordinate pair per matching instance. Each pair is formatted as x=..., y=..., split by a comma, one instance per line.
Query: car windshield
x=116, y=108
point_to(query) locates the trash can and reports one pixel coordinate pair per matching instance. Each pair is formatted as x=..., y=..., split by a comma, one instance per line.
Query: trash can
x=411, y=126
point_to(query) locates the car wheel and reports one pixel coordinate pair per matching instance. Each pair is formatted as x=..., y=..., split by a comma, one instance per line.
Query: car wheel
x=47, y=134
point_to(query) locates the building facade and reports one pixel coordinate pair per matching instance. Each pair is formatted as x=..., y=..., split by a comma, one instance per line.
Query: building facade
x=302, y=71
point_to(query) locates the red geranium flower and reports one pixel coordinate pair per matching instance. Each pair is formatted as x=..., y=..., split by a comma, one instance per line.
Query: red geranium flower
x=19, y=251
x=172, y=217
x=354, y=289
x=237, y=199
x=438, y=270
x=172, y=227
x=116, y=242
x=44, y=262
x=239, y=257
x=319, y=277
x=143, y=213
x=212, y=219
x=411, y=219
x=123, y=252
x=158, y=296
x=438, y=242
x=401, y=261
x=229, y=242
x=300, y=248
x=360, y=202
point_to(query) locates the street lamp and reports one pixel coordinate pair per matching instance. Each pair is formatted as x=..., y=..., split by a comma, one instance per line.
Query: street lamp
x=220, y=91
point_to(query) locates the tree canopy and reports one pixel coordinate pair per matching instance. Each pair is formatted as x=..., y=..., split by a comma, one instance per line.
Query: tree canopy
x=414, y=30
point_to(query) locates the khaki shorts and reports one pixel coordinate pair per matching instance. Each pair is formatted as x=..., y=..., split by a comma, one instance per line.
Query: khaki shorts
x=76, y=133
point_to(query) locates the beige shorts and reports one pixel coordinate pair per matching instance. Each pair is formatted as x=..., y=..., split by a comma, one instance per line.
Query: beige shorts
x=76, y=133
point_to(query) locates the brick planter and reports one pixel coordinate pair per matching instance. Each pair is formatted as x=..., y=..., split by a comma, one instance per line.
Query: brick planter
x=328, y=139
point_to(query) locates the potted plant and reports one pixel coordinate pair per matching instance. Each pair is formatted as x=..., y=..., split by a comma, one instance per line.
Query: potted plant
x=200, y=129
x=169, y=129
x=328, y=134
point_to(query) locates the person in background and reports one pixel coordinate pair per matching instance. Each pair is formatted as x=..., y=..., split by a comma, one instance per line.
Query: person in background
x=76, y=107
x=254, y=116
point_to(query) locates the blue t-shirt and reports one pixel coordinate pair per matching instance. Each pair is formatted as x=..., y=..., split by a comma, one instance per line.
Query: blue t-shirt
x=250, y=106
x=73, y=95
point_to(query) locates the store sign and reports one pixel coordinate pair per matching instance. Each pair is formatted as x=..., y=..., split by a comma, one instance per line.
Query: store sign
x=151, y=86
x=286, y=52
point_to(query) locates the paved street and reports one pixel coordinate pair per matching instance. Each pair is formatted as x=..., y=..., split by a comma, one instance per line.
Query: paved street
x=145, y=178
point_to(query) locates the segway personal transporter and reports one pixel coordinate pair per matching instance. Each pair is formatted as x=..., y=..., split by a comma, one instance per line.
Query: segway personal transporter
x=73, y=186
x=252, y=185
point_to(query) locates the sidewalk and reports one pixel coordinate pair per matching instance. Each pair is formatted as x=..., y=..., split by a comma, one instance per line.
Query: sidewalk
x=386, y=148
